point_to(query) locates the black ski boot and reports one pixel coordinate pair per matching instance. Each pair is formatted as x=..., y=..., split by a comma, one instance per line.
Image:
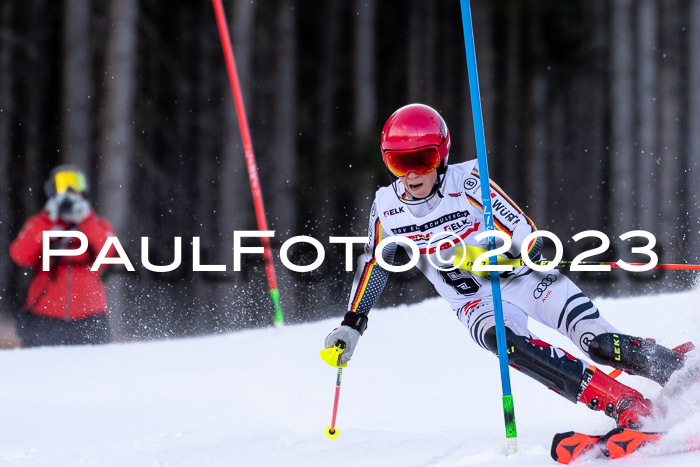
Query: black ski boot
x=638, y=356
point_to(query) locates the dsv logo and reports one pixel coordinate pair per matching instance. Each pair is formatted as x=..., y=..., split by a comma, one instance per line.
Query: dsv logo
x=543, y=285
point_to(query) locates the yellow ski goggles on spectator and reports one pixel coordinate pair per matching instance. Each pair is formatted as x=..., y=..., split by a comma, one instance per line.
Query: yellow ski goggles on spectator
x=70, y=180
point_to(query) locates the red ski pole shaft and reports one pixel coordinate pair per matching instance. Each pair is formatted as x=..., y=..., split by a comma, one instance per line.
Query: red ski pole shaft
x=249, y=157
x=331, y=430
x=337, y=396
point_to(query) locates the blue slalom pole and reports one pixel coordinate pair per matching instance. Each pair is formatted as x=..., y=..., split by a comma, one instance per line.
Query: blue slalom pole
x=508, y=410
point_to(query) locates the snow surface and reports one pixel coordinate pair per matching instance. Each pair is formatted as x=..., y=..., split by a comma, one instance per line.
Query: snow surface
x=418, y=392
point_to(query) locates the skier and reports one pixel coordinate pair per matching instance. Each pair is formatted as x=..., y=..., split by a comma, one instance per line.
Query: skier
x=429, y=198
x=66, y=304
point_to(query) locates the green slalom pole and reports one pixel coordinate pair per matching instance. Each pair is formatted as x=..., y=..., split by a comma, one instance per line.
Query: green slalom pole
x=278, y=320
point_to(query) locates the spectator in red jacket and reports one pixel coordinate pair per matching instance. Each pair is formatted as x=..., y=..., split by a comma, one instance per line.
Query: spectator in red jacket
x=65, y=305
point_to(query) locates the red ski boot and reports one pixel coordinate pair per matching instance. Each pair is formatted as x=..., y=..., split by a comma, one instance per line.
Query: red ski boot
x=626, y=405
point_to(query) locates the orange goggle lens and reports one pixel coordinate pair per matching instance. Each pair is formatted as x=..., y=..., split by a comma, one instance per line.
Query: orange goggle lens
x=421, y=161
x=73, y=180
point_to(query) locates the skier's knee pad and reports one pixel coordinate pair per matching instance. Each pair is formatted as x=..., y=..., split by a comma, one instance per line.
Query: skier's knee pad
x=490, y=339
x=512, y=340
x=604, y=349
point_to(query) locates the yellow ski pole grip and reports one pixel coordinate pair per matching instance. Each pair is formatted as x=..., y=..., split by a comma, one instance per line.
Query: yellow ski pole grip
x=330, y=355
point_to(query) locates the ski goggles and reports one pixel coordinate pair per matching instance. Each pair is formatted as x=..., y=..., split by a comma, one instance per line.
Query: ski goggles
x=70, y=180
x=421, y=161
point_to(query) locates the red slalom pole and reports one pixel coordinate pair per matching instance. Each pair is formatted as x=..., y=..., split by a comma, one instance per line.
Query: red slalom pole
x=249, y=158
x=671, y=267
x=674, y=267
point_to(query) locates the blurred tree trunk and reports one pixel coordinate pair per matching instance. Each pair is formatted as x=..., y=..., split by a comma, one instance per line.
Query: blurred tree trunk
x=331, y=50
x=579, y=138
x=671, y=166
x=283, y=181
x=328, y=112
x=622, y=190
x=647, y=112
x=216, y=237
x=76, y=120
x=236, y=207
x=365, y=132
x=35, y=87
x=189, y=173
x=364, y=76
x=511, y=144
x=328, y=198
x=117, y=141
x=555, y=218
x=483, y=41
x=538, y=135
x=594, y=113
x=422, y=50
x=7, y=114
x=693, y=165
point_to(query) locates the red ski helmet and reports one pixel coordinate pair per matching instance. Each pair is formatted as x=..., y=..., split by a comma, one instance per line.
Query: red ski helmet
x=415, y=138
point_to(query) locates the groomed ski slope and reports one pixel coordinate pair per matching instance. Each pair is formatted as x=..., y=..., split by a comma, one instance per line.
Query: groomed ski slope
x=418, y=392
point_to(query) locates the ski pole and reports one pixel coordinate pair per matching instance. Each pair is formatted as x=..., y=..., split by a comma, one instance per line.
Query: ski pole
x=331, y=430
x=250, y=160
x=330, y=356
